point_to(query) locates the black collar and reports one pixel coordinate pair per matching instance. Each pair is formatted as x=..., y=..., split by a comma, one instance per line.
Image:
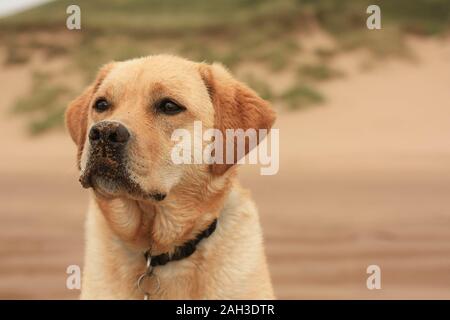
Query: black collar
x=183, y=251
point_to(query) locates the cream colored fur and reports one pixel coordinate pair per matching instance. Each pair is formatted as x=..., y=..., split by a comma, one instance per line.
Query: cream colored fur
x=230, y=264
x=120, y=226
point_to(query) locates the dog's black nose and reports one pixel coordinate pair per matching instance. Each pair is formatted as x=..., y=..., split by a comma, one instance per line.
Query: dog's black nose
x=109, y=132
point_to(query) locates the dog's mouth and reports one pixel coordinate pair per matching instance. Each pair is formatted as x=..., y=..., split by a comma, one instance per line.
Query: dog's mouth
x=110, y=178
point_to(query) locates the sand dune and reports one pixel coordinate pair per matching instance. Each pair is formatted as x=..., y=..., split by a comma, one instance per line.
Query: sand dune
x=364, y=179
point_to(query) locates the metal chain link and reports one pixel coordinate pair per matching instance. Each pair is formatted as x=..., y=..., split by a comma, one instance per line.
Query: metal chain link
x=148, y=274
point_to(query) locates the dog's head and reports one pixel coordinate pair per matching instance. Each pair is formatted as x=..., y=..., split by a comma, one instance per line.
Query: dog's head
x=123, y=122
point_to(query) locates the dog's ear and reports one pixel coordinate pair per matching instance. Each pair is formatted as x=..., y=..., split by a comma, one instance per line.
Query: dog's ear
x=236, y=106
x=76, y=116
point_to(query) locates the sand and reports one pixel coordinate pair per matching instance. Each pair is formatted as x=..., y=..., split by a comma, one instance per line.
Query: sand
x=364, y=179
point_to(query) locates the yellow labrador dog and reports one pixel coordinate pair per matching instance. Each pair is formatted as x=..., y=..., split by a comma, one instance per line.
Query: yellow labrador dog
x=157, y=229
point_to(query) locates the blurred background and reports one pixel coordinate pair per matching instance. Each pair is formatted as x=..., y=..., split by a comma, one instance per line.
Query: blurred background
x=364, y=119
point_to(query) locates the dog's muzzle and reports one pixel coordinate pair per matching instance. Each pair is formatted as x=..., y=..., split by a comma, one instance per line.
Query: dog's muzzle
x=108, y=141
x=106, y=168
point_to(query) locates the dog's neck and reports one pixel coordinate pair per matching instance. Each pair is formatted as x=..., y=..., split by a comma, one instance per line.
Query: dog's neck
x=170, y=223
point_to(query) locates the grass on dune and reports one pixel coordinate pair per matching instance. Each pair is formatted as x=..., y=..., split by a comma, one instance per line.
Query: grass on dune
x=234, y=32
x=318, y=72
x=150, y=17
x=301, y=96
x=44, y=104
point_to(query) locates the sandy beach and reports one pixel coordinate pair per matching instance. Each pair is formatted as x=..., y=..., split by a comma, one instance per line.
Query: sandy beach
x=364, y=179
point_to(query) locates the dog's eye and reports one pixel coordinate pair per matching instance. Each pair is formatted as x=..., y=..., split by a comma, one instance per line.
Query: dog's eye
x=101, y=105
x=169, y=107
